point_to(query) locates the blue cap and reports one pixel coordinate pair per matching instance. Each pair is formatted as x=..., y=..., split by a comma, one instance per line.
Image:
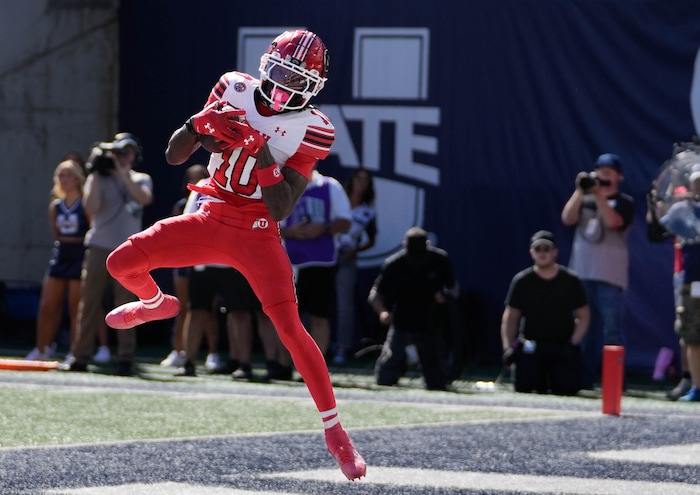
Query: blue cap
x=609, y=160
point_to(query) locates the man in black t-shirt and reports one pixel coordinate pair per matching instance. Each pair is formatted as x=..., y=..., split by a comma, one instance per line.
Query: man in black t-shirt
x=409, y=294
x=545, y=318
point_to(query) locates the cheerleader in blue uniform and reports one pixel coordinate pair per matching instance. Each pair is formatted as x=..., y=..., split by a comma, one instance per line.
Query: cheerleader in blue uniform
x=69, y=223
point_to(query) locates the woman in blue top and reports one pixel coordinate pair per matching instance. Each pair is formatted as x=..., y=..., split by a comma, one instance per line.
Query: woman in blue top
x=69, y=223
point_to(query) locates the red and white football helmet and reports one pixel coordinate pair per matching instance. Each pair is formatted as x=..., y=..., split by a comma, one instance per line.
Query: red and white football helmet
x=293, y=70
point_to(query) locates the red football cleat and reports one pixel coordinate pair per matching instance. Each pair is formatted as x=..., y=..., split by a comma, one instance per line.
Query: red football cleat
x=350, y=461
x=135, y=313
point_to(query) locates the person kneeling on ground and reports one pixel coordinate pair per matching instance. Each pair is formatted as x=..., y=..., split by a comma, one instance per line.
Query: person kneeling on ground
x=409, y=294
x=550, y=302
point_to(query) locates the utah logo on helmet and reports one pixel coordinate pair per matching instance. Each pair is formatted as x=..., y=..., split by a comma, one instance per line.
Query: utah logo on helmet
x=293, y=70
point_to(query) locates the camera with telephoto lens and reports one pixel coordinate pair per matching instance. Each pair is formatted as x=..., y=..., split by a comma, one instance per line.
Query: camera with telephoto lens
x=100, y=162
x=591, y=179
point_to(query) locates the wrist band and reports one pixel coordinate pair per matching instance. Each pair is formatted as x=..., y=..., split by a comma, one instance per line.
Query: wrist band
x=269, y=176
x=189, y=127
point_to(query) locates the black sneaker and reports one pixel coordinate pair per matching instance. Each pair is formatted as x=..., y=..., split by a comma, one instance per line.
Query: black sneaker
x=243, y=373
x=276, y=371
x=226, y=368
x=124, y=369
x=186, y=370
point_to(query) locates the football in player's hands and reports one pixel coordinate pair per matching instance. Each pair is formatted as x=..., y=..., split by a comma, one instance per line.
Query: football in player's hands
x=210, y=144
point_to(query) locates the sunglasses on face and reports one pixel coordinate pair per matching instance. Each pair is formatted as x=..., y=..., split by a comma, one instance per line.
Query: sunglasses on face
x=542, y=249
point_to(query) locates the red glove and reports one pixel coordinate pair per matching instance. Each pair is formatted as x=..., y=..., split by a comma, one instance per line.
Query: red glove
x=250, y=139
x=217, y=120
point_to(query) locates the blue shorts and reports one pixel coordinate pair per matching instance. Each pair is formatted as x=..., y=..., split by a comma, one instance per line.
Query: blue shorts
x=66, y=260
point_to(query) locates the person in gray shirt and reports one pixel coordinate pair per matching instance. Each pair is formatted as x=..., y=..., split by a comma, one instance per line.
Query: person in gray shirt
x=602, y=216
x=115, y=196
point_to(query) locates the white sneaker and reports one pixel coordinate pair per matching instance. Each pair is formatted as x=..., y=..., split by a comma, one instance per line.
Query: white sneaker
x=36, y=355
x=103, y=356
x=212, y=361
x=174, y=359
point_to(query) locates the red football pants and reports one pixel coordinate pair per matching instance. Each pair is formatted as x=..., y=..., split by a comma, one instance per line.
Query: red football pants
x=249, y=241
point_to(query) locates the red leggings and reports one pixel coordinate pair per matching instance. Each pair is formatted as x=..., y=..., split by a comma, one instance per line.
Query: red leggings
x=248, y=241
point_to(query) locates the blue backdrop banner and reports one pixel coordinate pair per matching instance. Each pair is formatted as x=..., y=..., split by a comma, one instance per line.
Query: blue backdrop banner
x=474, y=117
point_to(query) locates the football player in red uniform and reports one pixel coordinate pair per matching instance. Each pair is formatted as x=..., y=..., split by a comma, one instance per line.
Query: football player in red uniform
x=269, y=139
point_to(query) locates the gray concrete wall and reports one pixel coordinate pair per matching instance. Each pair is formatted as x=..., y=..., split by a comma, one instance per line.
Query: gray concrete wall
x=58, y=92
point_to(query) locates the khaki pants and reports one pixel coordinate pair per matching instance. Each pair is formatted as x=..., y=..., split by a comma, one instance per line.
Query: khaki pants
x=94, y=281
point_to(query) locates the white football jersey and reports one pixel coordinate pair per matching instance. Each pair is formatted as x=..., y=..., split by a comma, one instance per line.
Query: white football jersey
x=308, y=132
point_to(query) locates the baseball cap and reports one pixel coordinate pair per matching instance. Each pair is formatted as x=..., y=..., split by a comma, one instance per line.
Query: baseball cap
x=124, y=139
x=609, y=160
x=542, y=237
x=694, y=176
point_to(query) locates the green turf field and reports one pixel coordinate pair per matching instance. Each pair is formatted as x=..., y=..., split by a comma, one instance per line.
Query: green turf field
x=93, y=409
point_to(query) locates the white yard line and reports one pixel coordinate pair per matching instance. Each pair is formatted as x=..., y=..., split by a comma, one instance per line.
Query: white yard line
x=499, y=482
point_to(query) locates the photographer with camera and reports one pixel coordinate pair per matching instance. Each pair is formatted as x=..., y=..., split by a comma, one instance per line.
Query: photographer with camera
x=115, y=196
x=602, y=216
x=683, y=220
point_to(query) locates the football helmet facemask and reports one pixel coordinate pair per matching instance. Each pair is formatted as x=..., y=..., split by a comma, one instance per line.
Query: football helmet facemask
x=293, y=70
